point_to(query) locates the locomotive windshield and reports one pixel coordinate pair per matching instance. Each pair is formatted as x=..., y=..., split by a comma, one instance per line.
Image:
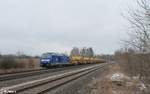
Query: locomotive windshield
x=46, y=56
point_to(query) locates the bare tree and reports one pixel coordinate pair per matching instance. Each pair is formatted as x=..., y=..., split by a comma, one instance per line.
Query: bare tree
x=139, y=34
x=139, y=20
x=90, y=52
x=83, y=51
x=75, y=52
x=86, y=52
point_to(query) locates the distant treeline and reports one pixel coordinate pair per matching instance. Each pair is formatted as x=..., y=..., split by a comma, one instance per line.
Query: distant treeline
x=88, y=52
x=18, y=56
x=18, y=61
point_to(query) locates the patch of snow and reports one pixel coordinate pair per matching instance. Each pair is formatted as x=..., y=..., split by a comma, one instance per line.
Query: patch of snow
x=136, y=77
x=93, y=78
x=4, y=91
x=117, y=77
x=114, y=92
x=142, y=86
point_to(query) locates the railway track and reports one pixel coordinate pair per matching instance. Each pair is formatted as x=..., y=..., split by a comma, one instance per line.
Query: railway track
x=8, y=73
x=16, y=75
x=47, y=84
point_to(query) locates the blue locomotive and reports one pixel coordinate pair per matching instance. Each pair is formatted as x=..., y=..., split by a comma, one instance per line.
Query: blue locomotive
x=54, y=59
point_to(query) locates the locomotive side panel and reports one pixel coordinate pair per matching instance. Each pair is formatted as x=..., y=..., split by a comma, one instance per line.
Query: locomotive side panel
x=54, y=59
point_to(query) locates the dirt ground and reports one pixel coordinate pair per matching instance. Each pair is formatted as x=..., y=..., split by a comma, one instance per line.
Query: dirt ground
x=117, y=82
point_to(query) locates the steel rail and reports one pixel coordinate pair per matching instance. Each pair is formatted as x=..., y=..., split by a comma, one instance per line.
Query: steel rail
x=25, y=87
x=13, y=76
x=74, y=77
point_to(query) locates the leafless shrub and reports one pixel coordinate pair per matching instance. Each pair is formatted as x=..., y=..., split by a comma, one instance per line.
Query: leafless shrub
x=136, y=56
x=139, y=20
x=31, y=63
x=9, y=62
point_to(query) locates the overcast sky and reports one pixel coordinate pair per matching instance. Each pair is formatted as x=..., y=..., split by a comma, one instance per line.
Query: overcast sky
x=38, y=26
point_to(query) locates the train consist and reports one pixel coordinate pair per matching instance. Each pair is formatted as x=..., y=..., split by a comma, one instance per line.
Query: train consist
x=55, y=59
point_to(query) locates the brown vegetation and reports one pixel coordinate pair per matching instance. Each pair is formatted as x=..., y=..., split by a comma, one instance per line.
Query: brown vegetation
x=135, y=56
x=135, y=64
x=125, y=85
x=12, y=63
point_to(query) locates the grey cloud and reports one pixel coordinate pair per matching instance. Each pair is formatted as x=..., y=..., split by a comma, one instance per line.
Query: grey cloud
x=37, y=26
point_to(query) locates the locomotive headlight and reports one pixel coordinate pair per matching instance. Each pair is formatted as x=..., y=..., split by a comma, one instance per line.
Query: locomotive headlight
x=45, y=60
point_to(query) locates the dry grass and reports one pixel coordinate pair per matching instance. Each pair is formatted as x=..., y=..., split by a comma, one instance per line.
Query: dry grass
x=106, y=86
x=25, y=64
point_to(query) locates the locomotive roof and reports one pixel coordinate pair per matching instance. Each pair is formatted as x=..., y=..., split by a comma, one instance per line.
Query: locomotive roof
x=53, y=53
